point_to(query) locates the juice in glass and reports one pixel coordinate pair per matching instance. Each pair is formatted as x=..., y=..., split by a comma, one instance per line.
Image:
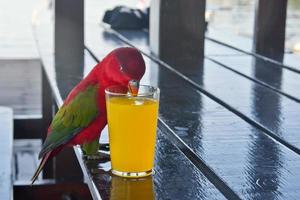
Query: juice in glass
x=132, y=123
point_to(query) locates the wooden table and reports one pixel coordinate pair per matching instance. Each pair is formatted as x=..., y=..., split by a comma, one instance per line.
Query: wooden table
x=228, y=124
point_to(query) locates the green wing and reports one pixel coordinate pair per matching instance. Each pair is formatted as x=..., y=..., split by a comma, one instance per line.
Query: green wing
x=71, y=119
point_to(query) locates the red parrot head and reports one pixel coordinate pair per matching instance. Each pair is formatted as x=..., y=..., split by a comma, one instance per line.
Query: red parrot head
x=120, y=66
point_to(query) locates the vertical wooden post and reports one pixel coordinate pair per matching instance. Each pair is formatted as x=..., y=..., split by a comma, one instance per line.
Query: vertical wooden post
x=269, y=30
x=69, y=43
x=69, y=64
x=177, y=28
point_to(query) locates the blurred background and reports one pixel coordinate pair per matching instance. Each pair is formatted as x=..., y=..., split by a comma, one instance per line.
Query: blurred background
x=229, y=20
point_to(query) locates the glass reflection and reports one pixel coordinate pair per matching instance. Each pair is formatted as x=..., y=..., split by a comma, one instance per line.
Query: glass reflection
x=264, y=156
x=181, y=98
x=185, y=120
x=131, y=189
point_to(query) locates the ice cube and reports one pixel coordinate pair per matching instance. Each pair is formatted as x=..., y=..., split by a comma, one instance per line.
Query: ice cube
x=138, y=102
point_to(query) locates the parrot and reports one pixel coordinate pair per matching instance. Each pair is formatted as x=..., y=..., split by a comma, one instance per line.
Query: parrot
x=81, y=118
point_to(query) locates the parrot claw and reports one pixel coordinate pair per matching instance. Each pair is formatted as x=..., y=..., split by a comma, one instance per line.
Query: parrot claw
x=93, y=151
x=96, y=156
x=102, y=157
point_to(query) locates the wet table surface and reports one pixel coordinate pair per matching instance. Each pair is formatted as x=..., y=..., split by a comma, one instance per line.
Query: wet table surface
x=252, y=161
x=228, y=124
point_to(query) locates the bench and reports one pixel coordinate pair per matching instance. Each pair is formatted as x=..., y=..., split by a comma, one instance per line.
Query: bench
x=6, y=152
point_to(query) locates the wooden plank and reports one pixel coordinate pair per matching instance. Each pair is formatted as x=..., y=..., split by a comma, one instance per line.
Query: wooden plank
x=291, y=66
x=69, y=42
x=6, y=152
x=269, y=29
x=175, y=27
x=260, y=70
x=142, y=39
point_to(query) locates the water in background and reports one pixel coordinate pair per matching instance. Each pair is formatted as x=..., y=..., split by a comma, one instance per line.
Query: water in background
x=230, y=21
x=16, y=38
x=236, y=18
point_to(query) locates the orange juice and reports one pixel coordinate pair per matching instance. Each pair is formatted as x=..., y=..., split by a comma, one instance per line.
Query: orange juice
x=132, y=123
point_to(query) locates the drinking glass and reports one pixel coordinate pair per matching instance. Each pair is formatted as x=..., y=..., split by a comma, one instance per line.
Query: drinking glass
x=132, y=123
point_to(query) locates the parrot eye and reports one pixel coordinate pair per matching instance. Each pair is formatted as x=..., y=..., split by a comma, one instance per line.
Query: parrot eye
x=130, y=62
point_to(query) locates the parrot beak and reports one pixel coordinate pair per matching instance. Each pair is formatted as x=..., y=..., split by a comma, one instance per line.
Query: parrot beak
x=133, y=87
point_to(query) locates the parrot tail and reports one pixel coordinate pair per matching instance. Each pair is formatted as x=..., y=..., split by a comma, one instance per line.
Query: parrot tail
x=41, y=166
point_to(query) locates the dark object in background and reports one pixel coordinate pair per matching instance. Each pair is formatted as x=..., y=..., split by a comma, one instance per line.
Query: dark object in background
x=122, y=17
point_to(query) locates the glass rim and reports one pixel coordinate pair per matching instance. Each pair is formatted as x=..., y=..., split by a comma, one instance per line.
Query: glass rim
x=152, y=91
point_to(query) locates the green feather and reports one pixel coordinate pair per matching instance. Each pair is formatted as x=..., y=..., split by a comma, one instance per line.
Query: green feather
x=72, y=118
x=91, y=148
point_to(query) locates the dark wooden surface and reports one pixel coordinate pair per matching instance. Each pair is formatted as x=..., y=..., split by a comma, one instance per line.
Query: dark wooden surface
x=27, y=128
x=50, y=191
x=6, y=152
x=229, y=136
